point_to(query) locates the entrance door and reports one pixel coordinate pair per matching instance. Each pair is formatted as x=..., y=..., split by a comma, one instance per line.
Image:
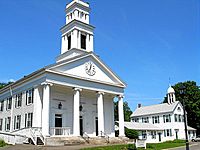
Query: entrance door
x=176, y=134
x=96, y=125
x=159, y=134
x=58, y=124
x=81, y=125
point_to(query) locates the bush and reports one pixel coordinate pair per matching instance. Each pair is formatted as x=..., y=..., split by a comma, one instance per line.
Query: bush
x=2, y=143
x=176, y=141
x=131, y=134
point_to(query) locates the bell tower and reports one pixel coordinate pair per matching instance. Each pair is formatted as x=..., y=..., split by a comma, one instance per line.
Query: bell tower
x=77, y=34
x=171, y=95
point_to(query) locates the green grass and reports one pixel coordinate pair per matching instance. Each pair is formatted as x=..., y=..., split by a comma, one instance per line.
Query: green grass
x=112, y=147
x=2, y=143
x=156, y=146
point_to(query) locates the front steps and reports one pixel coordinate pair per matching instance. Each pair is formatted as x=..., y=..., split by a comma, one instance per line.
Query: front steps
x=71, y=141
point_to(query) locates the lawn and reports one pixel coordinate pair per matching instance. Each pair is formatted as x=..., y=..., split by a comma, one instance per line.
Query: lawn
x=158, y=146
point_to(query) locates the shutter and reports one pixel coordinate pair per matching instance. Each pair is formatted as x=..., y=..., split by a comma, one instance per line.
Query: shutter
x=15, y=122
x=32, y=95
x=25, y=120
x=31, y=119
x=26, y=97
x=5, y=123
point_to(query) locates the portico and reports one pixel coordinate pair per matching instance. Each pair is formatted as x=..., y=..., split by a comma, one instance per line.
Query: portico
x=81, y=111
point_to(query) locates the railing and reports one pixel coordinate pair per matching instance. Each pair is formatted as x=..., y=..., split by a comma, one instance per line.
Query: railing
x=33, y=136
x=105, y=136
x=59, y=131
x=86, y=137
x=36, y=133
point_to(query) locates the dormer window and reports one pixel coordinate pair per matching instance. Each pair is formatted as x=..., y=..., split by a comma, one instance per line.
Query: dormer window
x=83, y=41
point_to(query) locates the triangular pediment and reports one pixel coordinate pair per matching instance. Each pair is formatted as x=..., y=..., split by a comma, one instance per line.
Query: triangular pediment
x=87, y=67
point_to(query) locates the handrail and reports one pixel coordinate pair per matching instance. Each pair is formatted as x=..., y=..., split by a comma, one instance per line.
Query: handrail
x=60, y=131
x=86, y=137
x=103, y=134
x=33, y=137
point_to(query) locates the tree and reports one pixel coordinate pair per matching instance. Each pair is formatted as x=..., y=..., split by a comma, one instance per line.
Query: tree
x=2, y=85
x=192, y=102
x=127, y=111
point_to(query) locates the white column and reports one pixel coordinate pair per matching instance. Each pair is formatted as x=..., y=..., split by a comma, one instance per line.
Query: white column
x=45, y=110
x=37, y=112
x=91, y=43
x=74, y=38
x=100, y=113
x=79, y=40
x=76, y=119
x=121, y=115
x=87, y=42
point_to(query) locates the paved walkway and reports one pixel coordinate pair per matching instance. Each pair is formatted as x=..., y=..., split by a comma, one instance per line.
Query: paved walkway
x=33, y=147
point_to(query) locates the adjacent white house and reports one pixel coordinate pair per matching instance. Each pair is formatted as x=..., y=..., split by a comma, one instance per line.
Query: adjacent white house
x=71, y=98
x=162, y=122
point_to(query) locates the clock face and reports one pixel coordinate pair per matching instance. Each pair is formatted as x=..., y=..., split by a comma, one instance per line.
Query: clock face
x=90, y=68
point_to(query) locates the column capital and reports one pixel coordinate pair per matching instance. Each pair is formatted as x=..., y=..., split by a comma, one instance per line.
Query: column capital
x=120, y=96
x=100, y=93
x=77, y=89
x=47, y=83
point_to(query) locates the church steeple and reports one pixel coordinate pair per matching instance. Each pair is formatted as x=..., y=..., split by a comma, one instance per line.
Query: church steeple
x=77, y=33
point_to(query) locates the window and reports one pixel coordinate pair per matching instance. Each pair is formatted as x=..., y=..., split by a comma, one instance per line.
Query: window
x=29, y=96
x=28, y=120
x=144, y=135
x=18, y=100
x=83, y=41
x=1, y=105
x=155, y=119
x=7, y=123
x=9, y=103
x=17, y=122
x=175, y=118
x=168, y=132
x=153, y=134
x=1, y=124
x=179, y=118
x=69, y=42
x=167, y=118
x=145, y=120
x=135, y=119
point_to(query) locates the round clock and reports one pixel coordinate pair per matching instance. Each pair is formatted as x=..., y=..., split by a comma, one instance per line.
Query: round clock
x=90, y=68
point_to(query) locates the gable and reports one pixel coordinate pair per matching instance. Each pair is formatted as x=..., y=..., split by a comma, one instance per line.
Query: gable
x=87, y=67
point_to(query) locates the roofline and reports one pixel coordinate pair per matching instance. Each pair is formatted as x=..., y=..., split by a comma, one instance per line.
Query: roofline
x=20, y=81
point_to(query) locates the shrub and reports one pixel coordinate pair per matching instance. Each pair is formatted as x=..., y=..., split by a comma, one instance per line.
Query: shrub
x=2, y=143
x=132, y=134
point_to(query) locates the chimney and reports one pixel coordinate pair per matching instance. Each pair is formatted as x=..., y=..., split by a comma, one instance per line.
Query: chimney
x=139, y=105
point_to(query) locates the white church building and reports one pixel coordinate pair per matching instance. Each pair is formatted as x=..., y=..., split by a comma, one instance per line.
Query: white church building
x=161, y=122
x=71, y=98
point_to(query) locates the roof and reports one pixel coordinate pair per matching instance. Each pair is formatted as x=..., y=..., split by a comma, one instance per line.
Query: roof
x=46, y=69
x=170, y=90
x=190, y=128
x=141, y=126
x=155, y=109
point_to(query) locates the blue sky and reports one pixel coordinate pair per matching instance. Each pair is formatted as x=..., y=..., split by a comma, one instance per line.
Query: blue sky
x=145, y=42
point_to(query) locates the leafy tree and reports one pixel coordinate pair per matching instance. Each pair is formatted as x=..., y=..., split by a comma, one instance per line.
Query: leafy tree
x=131, y=134
x=192, y=102
x=127, y=111
x=2, y=85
